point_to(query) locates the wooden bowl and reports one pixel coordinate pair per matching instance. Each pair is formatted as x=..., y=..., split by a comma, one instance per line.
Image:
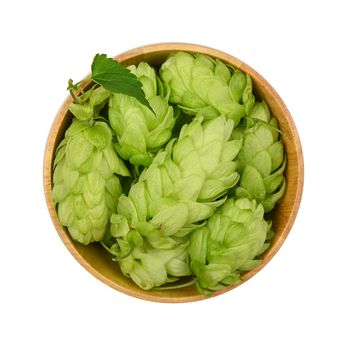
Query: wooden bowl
x=98, y=261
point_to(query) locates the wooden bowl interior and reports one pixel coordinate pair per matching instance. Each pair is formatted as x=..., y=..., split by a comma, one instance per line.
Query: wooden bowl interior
x=98, y=261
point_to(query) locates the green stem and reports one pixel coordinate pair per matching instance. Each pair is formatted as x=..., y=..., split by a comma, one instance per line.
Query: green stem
x=83, y=81
x=176, y=286
x=71, y=88
x=118, y=258
x=76, y=89
x=104, y=245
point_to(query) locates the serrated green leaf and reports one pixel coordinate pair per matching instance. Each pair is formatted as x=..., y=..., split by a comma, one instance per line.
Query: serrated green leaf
x=116, y=78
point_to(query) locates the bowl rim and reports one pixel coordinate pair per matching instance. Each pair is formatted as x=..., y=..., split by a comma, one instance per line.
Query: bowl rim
x=163, y=48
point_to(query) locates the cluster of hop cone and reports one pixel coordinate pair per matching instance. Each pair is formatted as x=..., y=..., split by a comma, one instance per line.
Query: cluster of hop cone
x=177, y=195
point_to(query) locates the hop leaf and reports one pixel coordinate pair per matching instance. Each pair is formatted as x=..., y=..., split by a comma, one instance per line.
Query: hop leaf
x=116, y=78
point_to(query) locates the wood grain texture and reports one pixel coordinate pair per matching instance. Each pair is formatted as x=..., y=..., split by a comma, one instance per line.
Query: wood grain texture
x=99, y=263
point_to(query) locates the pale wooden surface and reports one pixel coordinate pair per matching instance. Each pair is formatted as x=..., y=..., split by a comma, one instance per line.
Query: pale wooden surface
x=98, y=262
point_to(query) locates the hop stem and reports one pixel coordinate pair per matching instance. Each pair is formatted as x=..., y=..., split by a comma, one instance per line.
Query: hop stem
x=104, y=245
x=176, y=286
x=76, y=89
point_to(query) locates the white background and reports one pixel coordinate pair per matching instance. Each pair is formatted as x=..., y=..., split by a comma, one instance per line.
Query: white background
x=301, y=298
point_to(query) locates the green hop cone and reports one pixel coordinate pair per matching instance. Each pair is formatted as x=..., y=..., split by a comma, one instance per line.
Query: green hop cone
x=182, y=187
x=204, y=86
x=149, y=267
x=140, y=132
x=261, y=159
x=228, y=244
x=85, y=187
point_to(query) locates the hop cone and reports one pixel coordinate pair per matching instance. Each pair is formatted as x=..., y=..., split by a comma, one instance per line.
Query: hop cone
x=85, y=187
x=149, y=267
x=228, y=244
x=182, y=187
x=261, y=159
x=140, y=132
x=204, y=86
